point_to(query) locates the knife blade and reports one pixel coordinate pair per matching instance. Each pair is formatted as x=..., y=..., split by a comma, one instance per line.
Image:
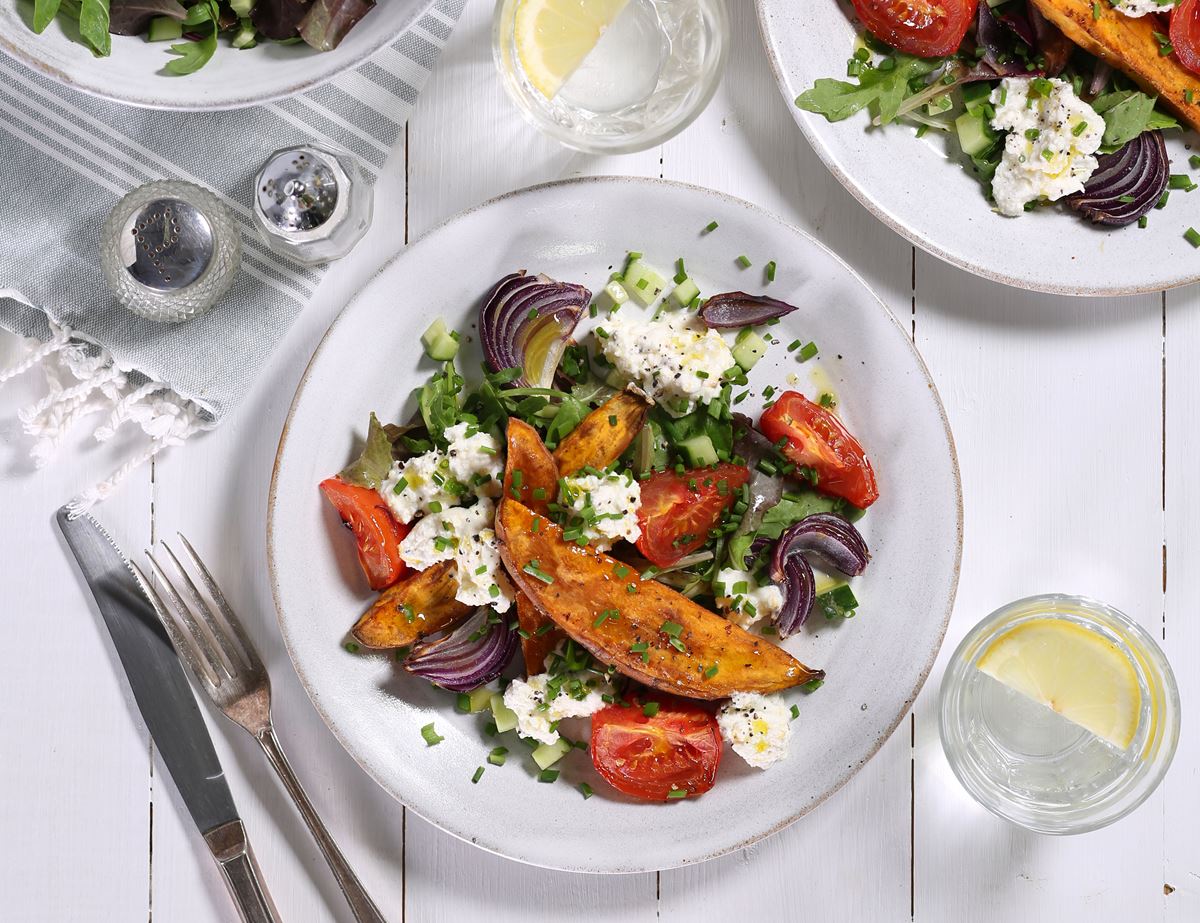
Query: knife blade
x=155, y=674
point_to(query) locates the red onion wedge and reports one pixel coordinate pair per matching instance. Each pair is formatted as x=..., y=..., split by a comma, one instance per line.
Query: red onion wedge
x=474, y=653
x=737, y=309
x=526, y=323
x=828, y=536
x=1127, y=183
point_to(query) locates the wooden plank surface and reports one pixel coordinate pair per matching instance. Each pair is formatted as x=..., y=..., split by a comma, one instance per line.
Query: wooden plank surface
x=1058, y=411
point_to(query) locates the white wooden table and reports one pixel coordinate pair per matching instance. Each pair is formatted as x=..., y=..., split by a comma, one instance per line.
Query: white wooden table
x=1075, y=425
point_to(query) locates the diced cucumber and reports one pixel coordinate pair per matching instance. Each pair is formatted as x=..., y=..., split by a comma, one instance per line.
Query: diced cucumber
x=643, y=283
x=748, y=348
x=975, y=136
x=480, y=698
x=505, y=717
x=975, y=95
x=164, y=29
x=546, y=755
x=440, y=343
x=615, y=379
x=699, y=451
x=612, y=296
x=683, y=293
x=243, y=8
x=838, y=603
x=939, y=105
x=246, y=35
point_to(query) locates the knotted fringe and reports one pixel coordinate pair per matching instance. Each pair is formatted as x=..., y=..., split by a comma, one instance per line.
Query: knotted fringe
x=83, y=380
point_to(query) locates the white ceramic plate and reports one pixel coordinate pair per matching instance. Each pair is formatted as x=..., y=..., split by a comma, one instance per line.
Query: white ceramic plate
x=370, y=360
x=912, y=187
x=134, y=74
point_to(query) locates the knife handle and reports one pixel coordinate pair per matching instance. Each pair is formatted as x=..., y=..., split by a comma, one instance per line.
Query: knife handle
x=231, y=849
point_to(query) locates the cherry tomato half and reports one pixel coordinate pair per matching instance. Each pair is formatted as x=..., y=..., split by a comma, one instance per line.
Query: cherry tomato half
x=675, y=517
x=816, y=439
x=366, y=514
x=648, y=756
x=1185, y=34
x=925, y=28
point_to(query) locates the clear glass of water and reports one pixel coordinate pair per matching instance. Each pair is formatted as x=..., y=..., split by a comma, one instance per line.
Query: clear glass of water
x=652, y=72
x=1026, y=763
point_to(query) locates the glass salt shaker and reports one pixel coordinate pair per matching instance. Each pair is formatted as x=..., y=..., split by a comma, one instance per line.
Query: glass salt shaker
x=169, y=250
x=312, y=203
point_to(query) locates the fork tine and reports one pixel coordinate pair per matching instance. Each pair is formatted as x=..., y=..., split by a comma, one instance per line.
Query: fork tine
x=248, y=651
x=184, y=645
x=216, y=637
x=201, y=646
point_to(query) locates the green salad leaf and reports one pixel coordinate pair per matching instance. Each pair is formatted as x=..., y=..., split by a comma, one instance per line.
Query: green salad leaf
x=570, y=414
x=93, y=26
x=794, y=506
x=1126, y=114
x=438, y=400
x=370, y=468
x=44, y=12
x=882, y=87
x=195, y=54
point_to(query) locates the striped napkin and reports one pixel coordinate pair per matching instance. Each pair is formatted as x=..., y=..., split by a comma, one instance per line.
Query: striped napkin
x=72, y=157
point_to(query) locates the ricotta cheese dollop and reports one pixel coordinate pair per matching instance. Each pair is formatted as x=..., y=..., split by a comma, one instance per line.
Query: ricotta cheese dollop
x=539, y=706
x=758, y=727
x=744, y=600
x=675, y=359
x=612, y=502
x=1052, y=137
x=1136, y=9
x=470, y=467
x=465, y=535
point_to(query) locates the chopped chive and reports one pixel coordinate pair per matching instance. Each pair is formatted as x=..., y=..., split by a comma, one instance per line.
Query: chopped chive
x=674, y=629
x=744, y=261
x=1125, y=198
x=401, y=486
x=494, y=591
x=677, y=793
x=432, y=738
x=711, y=671
x=545, y=629
x=537, y=524
x=612, y=419
x=813, y=685
x=1189, y=96
x=435, y=506
x=1192, y=236
x=793, y=346
x=352, y=647
x=478, y=775
x=463, y=702
x=621, y=571
x=795, y=712
x=584, y=788
x=498, y=756
x=1143, y=221
x=808, y=351
x=1096, y=10
x=1162, y=200
x=1079, y=129
x=638, y=647
x=548, y=775
x=650, y=709
x=1179, y=181
x=771, y=271
x=710, y=227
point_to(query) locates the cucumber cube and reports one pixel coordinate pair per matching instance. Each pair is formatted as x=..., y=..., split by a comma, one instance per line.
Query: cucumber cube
x=612, y=296
x=164, y=29
x=699, y=451
x=643, y=283
x=440, y=343
x=683, y=293
x=546, y=755
x=748, y=348
x=505, y=717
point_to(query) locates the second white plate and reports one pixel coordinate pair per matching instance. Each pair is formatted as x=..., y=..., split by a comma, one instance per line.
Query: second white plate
x=913, y=188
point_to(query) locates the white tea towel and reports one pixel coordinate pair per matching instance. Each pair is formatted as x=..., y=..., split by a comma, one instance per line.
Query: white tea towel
x=72, y=157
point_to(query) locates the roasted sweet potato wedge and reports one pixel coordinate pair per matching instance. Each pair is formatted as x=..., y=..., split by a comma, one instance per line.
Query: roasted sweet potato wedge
x=604, y=433
x=543, y=634
x=538, y=479
x=1130, y=46
x=419, y=605
x=646, y=630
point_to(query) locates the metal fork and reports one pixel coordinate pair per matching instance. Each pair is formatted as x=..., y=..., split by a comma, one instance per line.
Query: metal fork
x=220, y=655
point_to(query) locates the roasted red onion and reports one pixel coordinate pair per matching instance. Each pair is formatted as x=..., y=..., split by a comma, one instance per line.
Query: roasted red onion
x=830, y=537
x=1127, y=183
x=765, y=490
x=474, y=653
x=737, y=309
x=526, y=323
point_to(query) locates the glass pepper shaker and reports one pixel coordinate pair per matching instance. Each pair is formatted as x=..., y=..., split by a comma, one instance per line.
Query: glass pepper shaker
x=169, y=250
x=312, y=203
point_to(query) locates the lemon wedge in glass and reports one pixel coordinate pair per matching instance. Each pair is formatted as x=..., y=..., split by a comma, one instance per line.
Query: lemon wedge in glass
x=1078, y=673
x=554, y=36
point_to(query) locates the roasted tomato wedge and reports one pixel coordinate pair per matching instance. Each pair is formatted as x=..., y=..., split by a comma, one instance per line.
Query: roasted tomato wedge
x=925, y=28
x=675, y=516
x=678, y=748
x=1185, y=34
x=815, y=438
x=378, y=534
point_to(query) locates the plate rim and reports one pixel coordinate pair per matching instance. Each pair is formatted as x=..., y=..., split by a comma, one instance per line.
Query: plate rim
x=923, y=241
x=229, y=101
x=926, y=668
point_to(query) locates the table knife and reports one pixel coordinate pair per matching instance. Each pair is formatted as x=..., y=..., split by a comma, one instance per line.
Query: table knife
x=169, y=708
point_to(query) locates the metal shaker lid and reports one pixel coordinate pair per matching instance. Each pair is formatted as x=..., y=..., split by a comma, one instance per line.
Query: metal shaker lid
x=166, y=244
x=297, y=189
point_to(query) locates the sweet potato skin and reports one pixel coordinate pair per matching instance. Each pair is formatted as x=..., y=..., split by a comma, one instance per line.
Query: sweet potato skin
x=525, y=452
x=1128, y=45
x=598, y=441
x=429, y=594
x=585, y=584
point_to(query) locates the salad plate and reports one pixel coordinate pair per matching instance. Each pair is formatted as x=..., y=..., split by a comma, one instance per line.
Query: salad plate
x=134, y=72
x=418, y=741
x=918, y=186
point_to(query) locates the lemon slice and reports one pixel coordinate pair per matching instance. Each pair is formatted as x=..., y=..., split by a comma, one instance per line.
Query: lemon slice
x=1078, y=673
x=554, y=36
